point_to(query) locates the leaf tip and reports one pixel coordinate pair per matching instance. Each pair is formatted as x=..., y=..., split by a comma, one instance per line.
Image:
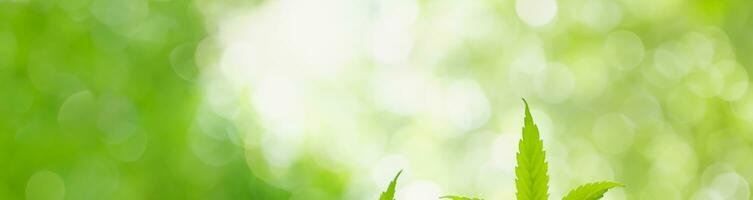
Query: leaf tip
x=398, y=175
x=527, y=110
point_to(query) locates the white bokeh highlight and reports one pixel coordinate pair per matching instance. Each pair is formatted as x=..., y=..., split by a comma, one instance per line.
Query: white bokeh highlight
x=536, y=12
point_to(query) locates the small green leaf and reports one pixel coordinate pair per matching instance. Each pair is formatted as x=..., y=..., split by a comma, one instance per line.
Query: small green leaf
x=390, y=193
x=591, y=191
x=531, y=179
x=458, y=198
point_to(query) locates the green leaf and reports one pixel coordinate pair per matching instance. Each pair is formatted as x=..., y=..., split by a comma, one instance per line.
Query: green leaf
x=390, y=193
x=531, y=179
x=458, y=198
x=591, y=191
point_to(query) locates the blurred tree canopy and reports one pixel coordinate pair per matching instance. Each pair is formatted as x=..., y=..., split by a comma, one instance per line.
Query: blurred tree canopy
x=291, y=99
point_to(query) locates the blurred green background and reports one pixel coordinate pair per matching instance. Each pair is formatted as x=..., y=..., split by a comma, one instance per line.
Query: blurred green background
x=296, y=99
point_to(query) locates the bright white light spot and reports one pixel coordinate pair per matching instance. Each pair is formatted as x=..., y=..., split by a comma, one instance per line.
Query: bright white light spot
x=387, y=167
x=222, y=98
x=487, y=179
x=403, y=90
x=731, y=186
x=391, y=46
x=616, y=194
x=45, y=185
x=536, y=12
x=392, y=37
x=466, y=105
x=420, y=190
x=545, y=124
x=512, y=122
x=503, y=150
x=280, y=102
x=281, y=149
x=237, y=67
x=315, y=39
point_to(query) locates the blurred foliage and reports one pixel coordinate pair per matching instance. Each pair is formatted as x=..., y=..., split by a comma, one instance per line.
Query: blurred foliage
x=231, y=99
x=91, y=98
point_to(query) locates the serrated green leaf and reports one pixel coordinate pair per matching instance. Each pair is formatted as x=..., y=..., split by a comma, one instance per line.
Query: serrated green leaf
x=531, y=179
x=591, y=191
x=458, y=198
x=390, y=193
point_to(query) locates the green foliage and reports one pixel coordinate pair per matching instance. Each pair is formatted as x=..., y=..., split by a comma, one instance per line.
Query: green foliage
x=591, y=191
x=531, y=178
x=390, y=193
x=458, y=198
